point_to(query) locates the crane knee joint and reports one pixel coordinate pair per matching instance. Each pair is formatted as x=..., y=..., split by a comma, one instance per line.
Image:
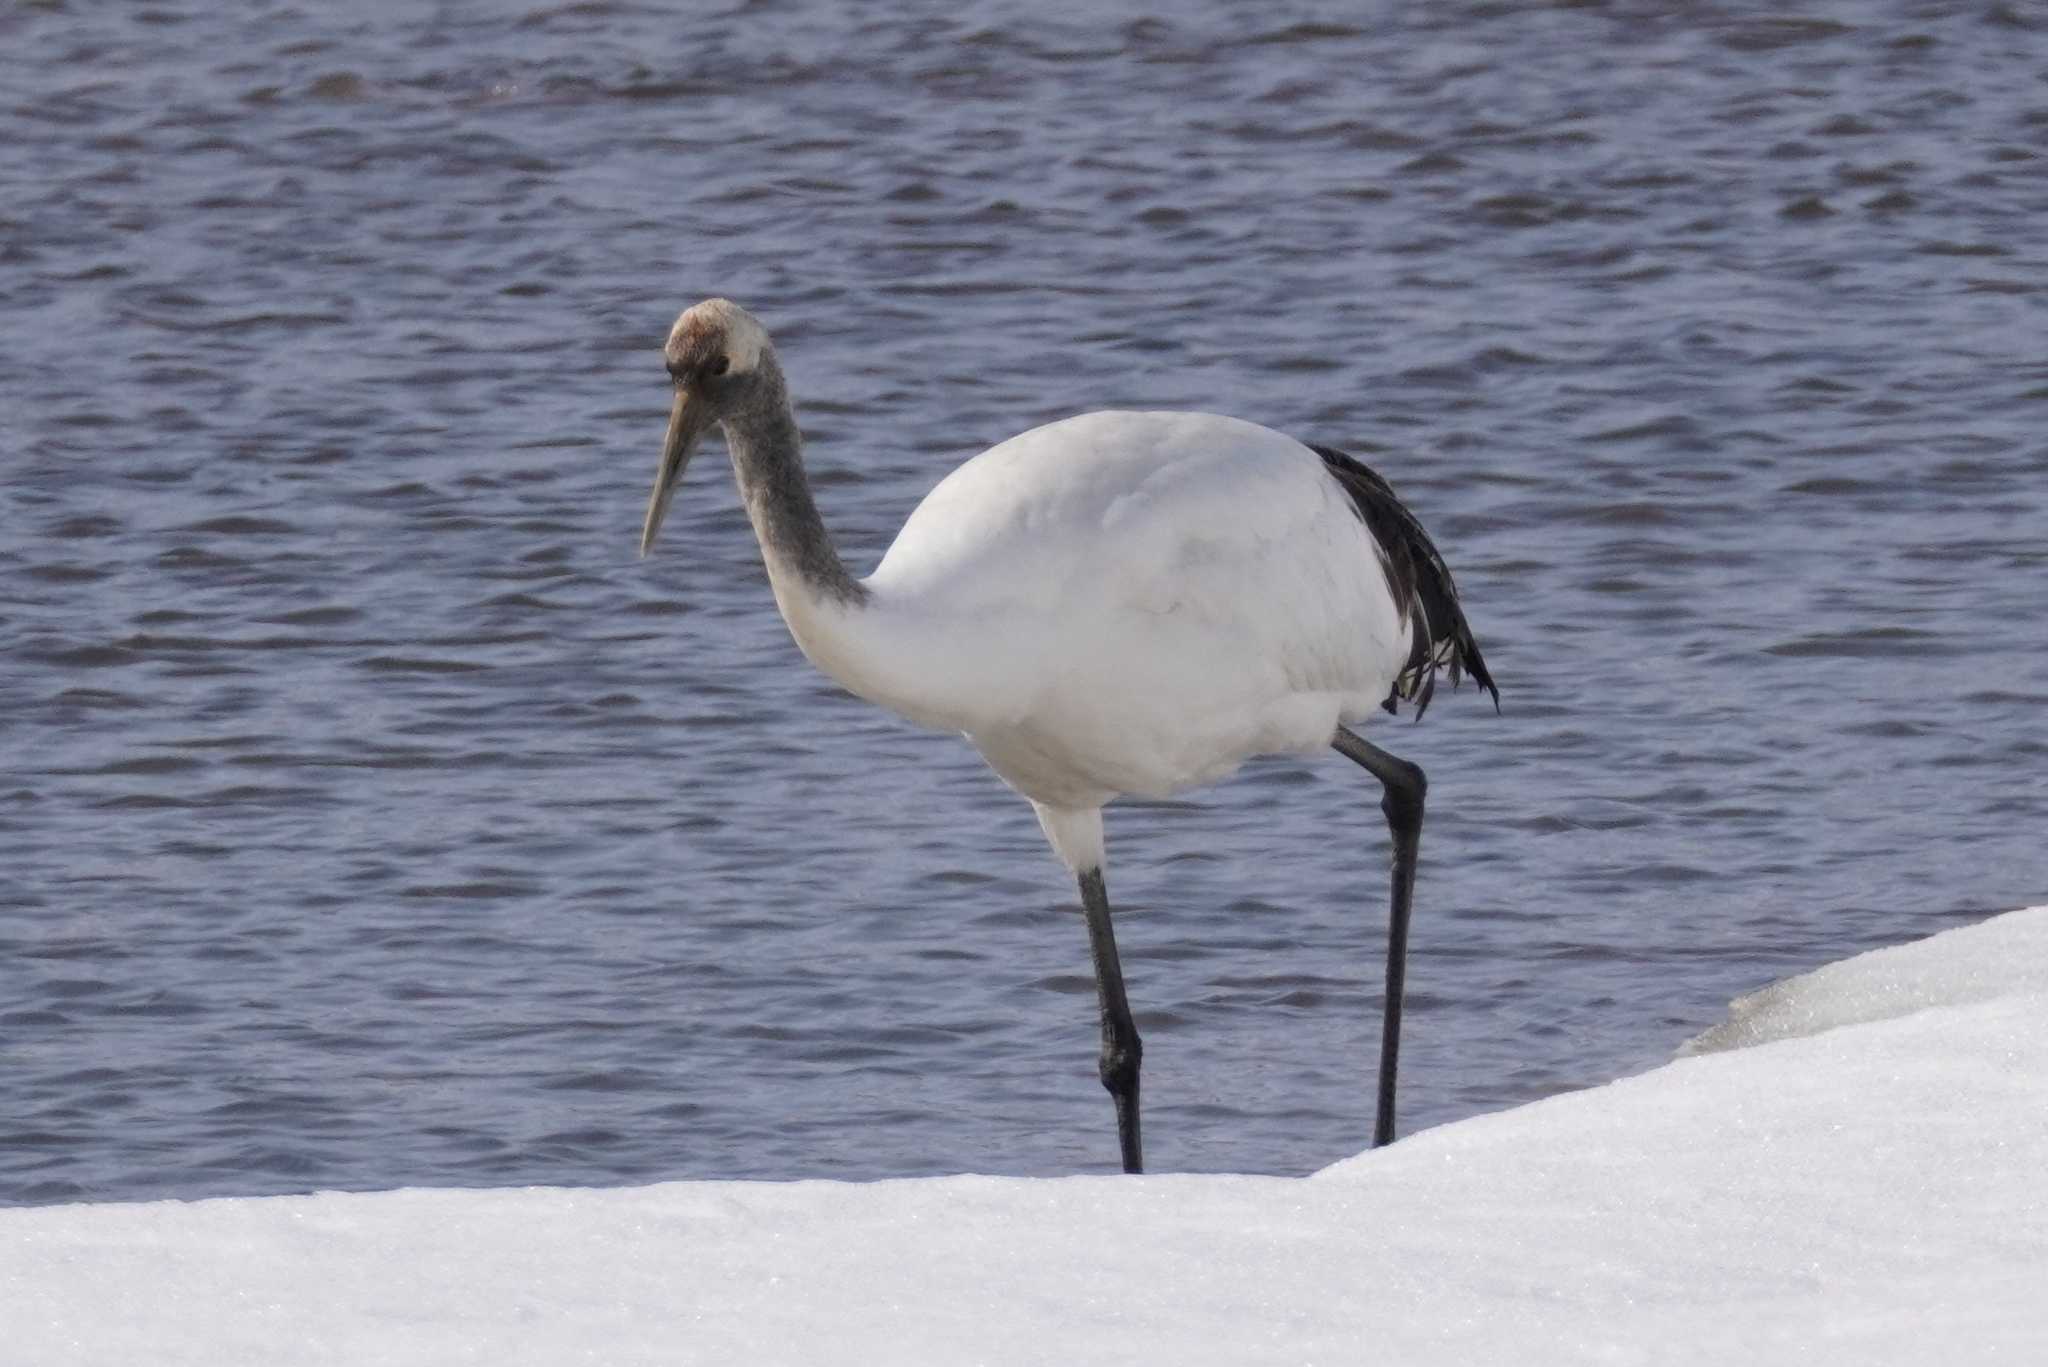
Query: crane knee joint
x=1119, y=1064
x=1403, y=798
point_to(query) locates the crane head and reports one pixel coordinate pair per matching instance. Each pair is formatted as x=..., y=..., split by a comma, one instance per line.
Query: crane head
x=717, y=355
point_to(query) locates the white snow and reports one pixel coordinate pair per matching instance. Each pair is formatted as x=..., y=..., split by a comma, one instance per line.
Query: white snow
x=1872, y=1193
x=2003, y=956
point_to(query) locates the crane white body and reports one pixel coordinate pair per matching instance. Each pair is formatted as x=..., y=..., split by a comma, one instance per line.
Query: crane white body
x=1121, y=603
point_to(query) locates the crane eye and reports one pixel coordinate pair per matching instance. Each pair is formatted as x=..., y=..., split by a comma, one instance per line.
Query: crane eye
x=719, y=366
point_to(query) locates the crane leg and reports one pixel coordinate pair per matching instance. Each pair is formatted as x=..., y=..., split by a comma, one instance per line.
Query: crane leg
x=1121, y=1048
x=1402, y=803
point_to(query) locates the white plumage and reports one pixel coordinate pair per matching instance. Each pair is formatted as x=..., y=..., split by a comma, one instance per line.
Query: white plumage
x=1116, y=603
x=1131, y=603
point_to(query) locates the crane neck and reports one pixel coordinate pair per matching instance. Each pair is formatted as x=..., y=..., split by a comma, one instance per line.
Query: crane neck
x=880, y=646
x=883, y=646
x=836, y=620
x=767, y=459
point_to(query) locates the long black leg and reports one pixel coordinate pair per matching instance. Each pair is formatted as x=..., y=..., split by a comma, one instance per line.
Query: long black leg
x=1402, y=802
x=1121, y=1048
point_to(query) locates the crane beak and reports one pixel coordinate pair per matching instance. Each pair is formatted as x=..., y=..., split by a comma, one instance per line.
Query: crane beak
x=686, y=422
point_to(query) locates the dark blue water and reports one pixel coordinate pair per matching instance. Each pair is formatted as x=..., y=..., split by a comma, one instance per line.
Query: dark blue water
x=372, y=816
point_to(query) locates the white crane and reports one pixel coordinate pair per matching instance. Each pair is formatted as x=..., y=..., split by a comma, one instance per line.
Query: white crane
x=1116, y=603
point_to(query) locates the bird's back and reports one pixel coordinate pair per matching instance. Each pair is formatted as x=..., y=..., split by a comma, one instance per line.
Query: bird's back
x=1144, y=600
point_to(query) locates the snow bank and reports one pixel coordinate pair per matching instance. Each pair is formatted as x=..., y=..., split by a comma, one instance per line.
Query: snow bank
x=1872, y=1194
x=1999, y=957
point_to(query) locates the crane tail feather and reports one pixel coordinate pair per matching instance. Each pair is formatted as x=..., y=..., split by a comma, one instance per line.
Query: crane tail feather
x=1422, y=586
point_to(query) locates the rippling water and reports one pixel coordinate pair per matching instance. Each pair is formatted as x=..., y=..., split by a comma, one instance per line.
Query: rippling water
x=373, y=816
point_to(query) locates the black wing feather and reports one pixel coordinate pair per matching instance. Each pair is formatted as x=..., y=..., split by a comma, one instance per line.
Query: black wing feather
x=1423, y=590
